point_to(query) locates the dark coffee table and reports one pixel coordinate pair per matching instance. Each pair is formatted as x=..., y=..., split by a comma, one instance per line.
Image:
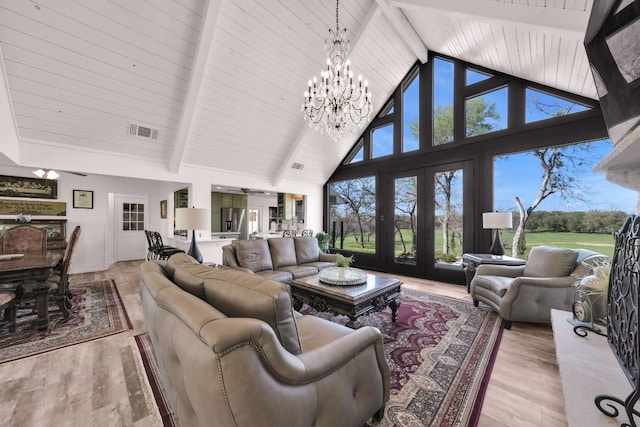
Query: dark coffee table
x=352, y=301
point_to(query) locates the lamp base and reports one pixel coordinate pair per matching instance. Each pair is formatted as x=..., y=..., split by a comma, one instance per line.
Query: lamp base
x=193, y=251
x=496, y=246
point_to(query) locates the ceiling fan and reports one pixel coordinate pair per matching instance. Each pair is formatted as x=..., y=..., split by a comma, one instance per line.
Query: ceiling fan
x=249, y=191
x=51, y=174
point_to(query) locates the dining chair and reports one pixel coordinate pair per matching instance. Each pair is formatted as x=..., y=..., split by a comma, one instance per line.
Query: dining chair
x=23, y=239
x=59, y=283
x=289, y=233
x=161, y=251
x=308, y=233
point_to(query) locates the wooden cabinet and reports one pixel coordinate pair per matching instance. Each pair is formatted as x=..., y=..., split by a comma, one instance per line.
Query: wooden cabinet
x=56, y=230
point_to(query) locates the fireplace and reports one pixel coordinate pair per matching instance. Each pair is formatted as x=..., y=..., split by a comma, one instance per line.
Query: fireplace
x=622, y=326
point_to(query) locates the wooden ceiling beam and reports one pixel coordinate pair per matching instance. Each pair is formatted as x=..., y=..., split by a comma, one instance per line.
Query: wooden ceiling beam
x=205, y=39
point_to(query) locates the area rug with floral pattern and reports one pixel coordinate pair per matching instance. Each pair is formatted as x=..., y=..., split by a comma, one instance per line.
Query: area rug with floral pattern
x=97, y=311
x=440, y=351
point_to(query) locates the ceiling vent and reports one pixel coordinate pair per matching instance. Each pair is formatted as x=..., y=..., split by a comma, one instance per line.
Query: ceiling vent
x=298, y=166
x=142, y=131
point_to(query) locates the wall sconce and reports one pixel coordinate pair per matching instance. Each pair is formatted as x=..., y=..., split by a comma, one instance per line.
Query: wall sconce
x=496, y=221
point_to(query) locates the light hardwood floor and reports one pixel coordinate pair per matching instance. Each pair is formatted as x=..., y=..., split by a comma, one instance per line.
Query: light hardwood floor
x=99, y=383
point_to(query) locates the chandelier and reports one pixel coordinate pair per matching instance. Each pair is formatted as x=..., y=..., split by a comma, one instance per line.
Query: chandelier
x=335, y=104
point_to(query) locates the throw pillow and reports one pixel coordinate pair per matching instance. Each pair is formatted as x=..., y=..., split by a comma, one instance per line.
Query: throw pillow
x=549, y=261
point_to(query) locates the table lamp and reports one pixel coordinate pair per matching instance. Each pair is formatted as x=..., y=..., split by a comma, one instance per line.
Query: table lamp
x=193, y=219
x=496, y=221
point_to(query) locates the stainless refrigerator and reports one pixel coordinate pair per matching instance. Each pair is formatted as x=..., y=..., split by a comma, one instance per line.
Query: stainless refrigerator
x=232, y=221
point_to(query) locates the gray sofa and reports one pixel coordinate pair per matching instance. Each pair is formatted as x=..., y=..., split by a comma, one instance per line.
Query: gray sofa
x=232, y=352
x=281, y=258
x=528, y=293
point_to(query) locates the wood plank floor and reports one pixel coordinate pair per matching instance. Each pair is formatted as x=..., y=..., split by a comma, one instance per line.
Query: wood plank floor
x=99, y=383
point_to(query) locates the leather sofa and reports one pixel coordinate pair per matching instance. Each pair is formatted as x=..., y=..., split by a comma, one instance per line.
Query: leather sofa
x=528, y=293
x=280, y=258
x=232, y=352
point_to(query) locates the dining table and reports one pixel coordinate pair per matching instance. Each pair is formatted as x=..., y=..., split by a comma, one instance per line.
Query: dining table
x=28, y=274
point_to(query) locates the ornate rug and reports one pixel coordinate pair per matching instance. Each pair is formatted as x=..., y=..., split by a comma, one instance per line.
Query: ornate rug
x=440, y=351
x=97, y=312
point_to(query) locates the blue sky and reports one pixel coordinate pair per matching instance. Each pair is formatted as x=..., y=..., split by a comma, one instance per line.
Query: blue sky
x=520, y=175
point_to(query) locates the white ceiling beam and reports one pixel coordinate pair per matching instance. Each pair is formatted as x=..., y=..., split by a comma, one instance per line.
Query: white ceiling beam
x=9, y=138
x=205, y=39
x=356, y=44
x=567, y=21
x=405, y=30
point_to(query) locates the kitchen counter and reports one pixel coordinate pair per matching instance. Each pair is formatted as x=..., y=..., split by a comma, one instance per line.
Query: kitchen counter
x=211, y=248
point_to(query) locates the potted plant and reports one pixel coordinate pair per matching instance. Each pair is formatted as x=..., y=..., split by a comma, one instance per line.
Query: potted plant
x=323, y=241
x=344, y=261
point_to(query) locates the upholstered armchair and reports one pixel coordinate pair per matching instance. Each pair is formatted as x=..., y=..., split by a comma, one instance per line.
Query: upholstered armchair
x=528, y=293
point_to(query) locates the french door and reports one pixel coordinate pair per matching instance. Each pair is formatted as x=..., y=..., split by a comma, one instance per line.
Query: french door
x=131, y=218
x=429, y=231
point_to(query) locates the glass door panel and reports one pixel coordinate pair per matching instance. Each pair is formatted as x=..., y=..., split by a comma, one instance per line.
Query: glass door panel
x=448, y=216
x=405, y=220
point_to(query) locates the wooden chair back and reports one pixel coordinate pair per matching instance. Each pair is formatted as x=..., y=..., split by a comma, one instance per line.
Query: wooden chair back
x=24, y=239
x=63, y=285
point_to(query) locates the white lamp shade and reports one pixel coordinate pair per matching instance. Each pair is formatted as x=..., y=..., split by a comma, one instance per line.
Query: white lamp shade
x=192, y=219
x=497, y=220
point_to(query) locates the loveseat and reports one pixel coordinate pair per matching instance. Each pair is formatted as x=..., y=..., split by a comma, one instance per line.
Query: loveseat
x=279, y=258
x=528, y=293
x=232, y=352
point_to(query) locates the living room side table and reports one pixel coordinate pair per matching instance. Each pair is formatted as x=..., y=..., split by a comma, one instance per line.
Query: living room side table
x=470, y=263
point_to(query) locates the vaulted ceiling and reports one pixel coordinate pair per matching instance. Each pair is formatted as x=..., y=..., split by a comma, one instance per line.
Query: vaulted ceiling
x=222, y=80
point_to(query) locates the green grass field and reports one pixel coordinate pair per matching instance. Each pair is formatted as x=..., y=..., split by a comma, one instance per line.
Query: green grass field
x=602, y=243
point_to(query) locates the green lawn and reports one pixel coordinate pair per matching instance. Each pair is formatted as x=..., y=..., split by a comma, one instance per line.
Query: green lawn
x=602, y=243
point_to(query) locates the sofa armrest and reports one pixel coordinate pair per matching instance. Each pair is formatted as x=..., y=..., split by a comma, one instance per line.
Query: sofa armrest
x=500, y=270
x=225, y=336
x=532, y=298
x=327, y=257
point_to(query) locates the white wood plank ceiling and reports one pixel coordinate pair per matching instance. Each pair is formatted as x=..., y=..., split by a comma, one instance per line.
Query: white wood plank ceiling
x=222, y=81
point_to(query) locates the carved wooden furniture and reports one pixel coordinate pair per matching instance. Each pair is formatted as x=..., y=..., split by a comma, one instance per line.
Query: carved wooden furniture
x=56, y=230
x=59, y=283
x=29, y=275
x=308, y=232
x=352, y=301
x=289, y=233
x=8, y=304
x=23, y=239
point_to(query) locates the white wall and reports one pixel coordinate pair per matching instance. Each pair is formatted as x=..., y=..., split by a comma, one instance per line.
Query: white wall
x=95, y=247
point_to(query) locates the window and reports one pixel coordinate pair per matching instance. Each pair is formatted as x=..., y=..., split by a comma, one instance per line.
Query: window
x=410, y=115
x=358, y=154
x=382, y=141
x=473, y=76
x=577, y=205
x=486, y=113
x=387, y=110
x=442, y=101
x=132, y=217
x=353, y=214
x=542, y=106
